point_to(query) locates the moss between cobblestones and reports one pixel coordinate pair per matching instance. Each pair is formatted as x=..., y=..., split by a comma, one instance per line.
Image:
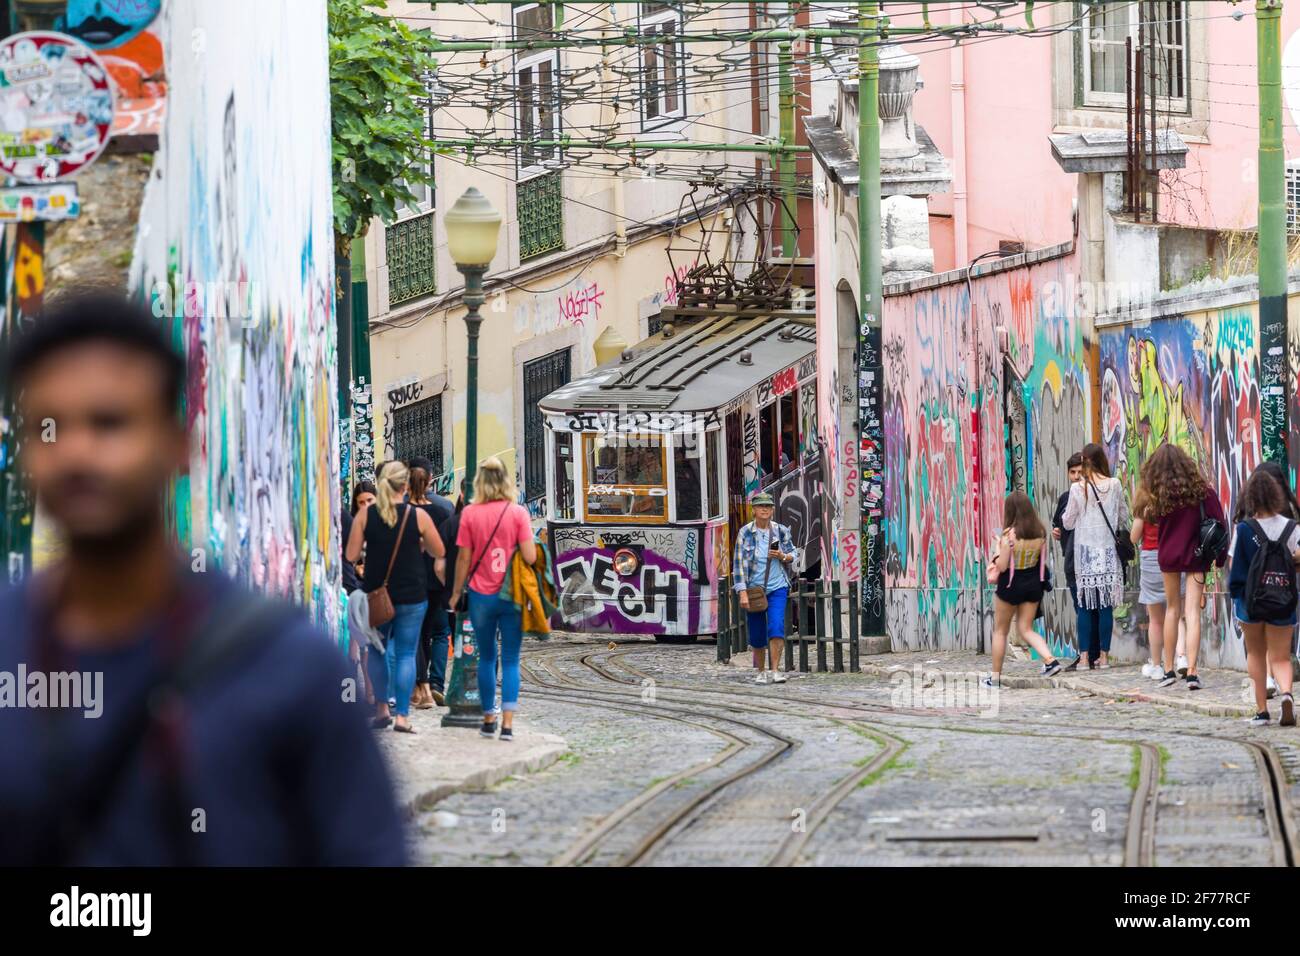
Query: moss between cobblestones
x=1164, y=760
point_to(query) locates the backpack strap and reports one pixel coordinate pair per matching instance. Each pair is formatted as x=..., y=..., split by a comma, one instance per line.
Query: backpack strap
x=230, y=629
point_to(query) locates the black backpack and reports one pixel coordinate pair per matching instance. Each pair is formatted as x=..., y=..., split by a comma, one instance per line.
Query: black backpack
x=1271, y=580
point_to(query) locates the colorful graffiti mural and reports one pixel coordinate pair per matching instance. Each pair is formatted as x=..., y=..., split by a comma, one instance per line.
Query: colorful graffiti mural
x=1191, y=380
x=245, y=119
x=953, y=356
x=128, y=38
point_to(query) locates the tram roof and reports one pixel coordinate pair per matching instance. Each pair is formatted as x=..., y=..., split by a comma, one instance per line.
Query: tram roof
x=695, y=369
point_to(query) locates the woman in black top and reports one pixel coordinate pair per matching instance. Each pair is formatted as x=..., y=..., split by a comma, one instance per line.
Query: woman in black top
x=431, y=651
x=378, y=528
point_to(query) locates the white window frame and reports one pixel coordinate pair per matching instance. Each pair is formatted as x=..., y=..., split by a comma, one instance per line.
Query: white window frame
x=533, y=61
x=425, y=204
x=1133, y=11
x=669, y=19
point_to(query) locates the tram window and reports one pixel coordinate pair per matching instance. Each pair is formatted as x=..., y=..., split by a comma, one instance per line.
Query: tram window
x=712, y=474
x=767, y=432
x=626, y=478
x=686, y=474
x=789, y=431
x=562, y=499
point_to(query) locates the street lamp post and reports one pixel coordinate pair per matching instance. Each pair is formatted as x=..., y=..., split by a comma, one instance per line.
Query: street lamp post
x=472, y=230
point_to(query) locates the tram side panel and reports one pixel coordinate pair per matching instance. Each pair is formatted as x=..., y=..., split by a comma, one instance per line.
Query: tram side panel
x=670, y=589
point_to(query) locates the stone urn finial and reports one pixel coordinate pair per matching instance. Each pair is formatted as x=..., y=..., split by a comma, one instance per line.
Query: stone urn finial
x=899, y=81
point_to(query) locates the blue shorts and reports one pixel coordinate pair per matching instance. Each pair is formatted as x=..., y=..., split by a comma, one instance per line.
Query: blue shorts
x=765, y=625
x=1239, y=609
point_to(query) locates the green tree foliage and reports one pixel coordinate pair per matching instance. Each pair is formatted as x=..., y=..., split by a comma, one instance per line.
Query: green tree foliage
x=381, y=143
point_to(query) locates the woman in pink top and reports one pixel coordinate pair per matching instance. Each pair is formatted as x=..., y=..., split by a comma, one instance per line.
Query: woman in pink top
x=491, y=527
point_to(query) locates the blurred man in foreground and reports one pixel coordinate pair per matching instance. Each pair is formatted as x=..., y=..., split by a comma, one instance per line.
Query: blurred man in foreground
x=152, y=715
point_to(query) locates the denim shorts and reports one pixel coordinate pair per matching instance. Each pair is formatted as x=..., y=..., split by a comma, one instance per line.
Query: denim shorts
x=1239, y=610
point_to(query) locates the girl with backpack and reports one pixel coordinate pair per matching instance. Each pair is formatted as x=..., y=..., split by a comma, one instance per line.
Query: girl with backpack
x=490, y=529
x=1193, y=535
x=1263, y=588
x=1292, y=510
x=1020, y=568
x=1098, y=514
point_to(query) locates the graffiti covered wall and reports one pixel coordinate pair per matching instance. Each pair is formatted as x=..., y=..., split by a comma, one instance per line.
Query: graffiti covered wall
x=235, y=244
x=1191, y=380
x=954, y=375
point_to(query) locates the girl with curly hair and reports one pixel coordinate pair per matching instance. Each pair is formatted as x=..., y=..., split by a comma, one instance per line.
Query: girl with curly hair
x=1097, y=507
x=1180, y=499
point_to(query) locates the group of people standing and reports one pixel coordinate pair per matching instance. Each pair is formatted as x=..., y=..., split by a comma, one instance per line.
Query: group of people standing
x=1176, y=530
x=427, y=553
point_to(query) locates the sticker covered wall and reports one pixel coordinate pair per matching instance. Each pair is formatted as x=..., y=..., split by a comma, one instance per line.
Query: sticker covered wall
x=235, y=247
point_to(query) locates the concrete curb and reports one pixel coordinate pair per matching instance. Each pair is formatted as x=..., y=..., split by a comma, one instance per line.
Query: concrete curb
x=1208, y=708
x=538, y=758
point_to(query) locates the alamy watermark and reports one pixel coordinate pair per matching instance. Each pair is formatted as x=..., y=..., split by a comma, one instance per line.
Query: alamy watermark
x=73, y=690
x=937, y=690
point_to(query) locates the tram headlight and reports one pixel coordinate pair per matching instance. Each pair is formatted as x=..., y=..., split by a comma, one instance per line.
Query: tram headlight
x=626, y=562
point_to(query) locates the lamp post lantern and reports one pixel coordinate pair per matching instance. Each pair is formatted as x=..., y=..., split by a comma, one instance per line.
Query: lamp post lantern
x=472, y=230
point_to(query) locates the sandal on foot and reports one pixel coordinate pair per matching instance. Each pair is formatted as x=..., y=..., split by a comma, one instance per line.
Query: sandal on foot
x=404, y=728
x=379, y=723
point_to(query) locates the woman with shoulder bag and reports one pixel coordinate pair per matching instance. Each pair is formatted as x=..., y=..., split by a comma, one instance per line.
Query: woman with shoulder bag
x=491, y=527
x=394, y=533
x=765, y=552
x=1098, y=514
x=1188, y=510
x=1019, y=568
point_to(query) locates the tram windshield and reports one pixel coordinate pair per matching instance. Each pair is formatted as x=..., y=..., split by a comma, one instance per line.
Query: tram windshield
x=627, y=478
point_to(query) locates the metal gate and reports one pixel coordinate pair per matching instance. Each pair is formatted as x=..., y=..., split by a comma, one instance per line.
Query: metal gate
x=417, y=432
x=541, y=377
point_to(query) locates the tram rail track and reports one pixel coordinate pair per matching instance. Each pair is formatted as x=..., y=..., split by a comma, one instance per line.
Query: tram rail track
x=1139, y=840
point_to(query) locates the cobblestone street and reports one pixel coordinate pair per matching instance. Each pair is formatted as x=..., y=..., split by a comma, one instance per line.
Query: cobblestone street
x=676, y=759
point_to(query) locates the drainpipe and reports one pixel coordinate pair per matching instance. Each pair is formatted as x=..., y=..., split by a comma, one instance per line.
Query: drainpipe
x=620, y=223
x=957, y=85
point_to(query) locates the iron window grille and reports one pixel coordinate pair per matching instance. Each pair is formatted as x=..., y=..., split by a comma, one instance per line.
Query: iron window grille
x=411, y=257
x=417, y=432
x=539, y=207
x=541, y=377
x=1293, y=199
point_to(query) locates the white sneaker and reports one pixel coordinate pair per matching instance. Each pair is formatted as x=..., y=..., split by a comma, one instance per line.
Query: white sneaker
x=1271, y=689
x=1147, y=668
x=777, y=677
x=1157, y=672
x=761, y=678
x=1182, y=665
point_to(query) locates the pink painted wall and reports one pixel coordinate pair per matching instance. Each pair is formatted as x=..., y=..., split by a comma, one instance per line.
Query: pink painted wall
x=1015, y=189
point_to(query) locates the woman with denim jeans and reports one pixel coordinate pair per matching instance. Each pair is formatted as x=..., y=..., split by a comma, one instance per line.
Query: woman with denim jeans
x=394, y=533
x=491, y=527
x=765, y=554
x=1096, y=509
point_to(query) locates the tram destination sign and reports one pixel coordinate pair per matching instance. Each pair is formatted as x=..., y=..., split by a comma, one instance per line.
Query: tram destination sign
x=627, y=421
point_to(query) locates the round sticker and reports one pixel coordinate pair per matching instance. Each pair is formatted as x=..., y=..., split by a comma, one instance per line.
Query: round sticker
x=469, y=648
x=56, y=106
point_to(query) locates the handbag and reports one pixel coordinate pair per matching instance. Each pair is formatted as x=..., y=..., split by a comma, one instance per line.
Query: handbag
x=1212, y=537
x=1124, y=548
x=380, y=601
x=758, y=593
x=462, y=606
